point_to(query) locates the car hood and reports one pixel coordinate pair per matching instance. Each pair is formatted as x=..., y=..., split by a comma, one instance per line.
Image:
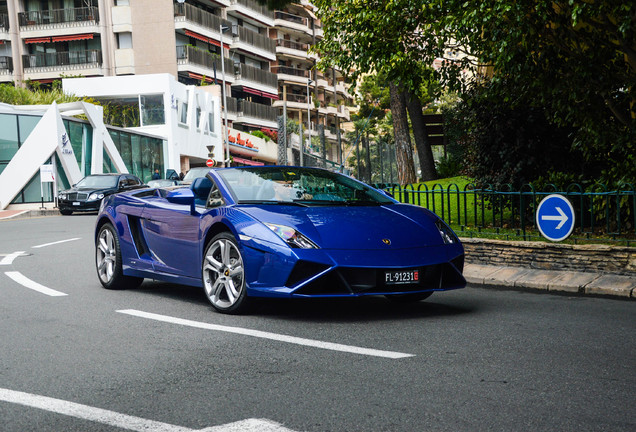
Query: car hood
x=351, y=227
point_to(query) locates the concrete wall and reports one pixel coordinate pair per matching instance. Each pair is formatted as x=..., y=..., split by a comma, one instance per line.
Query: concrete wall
x=153, y=36
x=618, y=260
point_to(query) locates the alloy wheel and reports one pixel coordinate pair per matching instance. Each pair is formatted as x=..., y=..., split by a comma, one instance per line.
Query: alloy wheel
x=106, y=255
x=223, y=274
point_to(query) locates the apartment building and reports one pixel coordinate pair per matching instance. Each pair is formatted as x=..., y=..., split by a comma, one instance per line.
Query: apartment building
x=315, y=99
x=260, y=57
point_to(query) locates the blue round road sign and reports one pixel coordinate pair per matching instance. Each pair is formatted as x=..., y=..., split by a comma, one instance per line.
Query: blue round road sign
x=555, y=217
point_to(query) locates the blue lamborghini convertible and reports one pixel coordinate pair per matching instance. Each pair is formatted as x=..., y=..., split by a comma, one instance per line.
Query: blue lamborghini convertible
x=276, y=231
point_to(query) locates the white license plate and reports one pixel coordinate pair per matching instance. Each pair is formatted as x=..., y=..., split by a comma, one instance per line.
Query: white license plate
x=401, y=277
x=76, y=203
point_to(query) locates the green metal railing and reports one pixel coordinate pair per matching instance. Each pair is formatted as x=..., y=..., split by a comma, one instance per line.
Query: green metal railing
x=601, y=214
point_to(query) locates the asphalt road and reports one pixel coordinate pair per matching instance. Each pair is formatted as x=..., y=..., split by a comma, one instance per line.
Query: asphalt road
x=82, y=358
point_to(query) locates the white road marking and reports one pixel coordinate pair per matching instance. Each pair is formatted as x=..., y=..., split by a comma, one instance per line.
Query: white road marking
x=8, y=260
x=124, y=421
x=28, y=283
x=267, y=335
x=54, y=243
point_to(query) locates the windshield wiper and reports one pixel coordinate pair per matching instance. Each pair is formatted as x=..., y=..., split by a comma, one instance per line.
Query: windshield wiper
x=294, y=203
x=363, y=203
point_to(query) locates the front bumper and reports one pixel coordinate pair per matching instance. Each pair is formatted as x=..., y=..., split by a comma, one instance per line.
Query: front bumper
x=348, y=273
x=79, y=206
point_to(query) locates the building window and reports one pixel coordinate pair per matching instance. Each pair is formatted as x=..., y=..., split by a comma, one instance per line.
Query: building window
x=211, y=118
x=124, y=40
x=183, y=112
x=152, y=111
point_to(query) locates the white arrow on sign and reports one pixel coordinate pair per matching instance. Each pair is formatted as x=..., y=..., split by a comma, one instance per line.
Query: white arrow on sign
x=562, y=218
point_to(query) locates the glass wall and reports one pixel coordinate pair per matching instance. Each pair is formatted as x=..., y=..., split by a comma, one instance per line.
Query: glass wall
x=8, y=138
x=141, y=154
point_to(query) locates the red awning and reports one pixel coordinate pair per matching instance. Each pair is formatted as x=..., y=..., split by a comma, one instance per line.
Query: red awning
x=260, y=93
x=252, y=91
x=72, y=37
x=205, y=38
x=196, y=35
x=199, y=77
x=270, y=95
x=37, y=40
x=247, y=161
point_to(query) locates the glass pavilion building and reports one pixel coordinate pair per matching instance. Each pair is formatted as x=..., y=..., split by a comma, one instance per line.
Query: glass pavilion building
x=22, y=127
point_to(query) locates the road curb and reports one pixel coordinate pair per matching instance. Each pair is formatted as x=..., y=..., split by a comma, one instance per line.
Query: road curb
x=551, y=280
x=25, y=214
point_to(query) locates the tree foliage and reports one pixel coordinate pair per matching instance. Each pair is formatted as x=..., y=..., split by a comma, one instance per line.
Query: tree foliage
x=571, y=63
x=574, y=60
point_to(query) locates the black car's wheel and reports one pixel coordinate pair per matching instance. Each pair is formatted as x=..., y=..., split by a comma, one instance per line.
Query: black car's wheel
x=108, y=261
x=66, y=212
x=409, y=298
x=224, y=275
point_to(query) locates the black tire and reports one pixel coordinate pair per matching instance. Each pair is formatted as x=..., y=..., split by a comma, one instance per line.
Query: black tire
x=108, y=261
x=66, y=212
x=223, y=275
x=409, y=298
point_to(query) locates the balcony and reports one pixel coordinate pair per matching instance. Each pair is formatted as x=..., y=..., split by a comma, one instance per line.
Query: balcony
x=6, y=65
x=294, y=101
x=184, y=12
x=253, y=10
x=191, y=55
x=249, y=75
x=4, y=22
x=292, y=22
x=70, y=17
x=241, y=111
x=51, y=65
x=255, y=114
x=286, y=47
x=260, y=111
x=291, y=74
x=63, y=59
x=254, y=43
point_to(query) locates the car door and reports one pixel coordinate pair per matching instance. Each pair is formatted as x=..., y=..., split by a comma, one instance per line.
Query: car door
x=172, y=234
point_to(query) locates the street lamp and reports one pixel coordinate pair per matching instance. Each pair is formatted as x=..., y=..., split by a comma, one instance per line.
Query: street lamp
x=309, y=82
x=226, y=141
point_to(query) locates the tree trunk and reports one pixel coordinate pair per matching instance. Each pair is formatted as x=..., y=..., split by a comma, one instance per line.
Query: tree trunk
x=403, y=147
x=427, y=163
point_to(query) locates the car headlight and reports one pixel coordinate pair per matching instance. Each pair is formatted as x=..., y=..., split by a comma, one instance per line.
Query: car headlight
x=95, y=196
x=292, y=237
x=446, y=232
x=62, y=196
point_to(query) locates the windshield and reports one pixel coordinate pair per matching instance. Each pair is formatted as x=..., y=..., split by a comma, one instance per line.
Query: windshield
x=194, y=173
x=307, y=186
x=98, y=182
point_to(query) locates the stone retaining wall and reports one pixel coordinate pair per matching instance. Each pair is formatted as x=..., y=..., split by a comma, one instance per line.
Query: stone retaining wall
x=602, y=259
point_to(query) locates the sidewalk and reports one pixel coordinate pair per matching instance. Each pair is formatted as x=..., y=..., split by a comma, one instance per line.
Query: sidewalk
x=489, y=276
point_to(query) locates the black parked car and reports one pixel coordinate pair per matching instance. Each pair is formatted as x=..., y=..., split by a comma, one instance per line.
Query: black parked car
x=88, y=193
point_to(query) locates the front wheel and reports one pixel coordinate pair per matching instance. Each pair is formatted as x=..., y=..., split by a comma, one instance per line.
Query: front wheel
x=224, y=275
x=66, y=212
x=108, y=261
x=409, y=298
